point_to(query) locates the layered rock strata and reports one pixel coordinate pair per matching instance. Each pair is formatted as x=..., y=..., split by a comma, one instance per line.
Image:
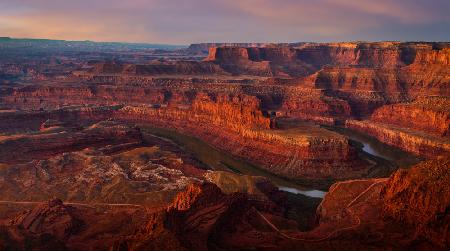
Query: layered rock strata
x=19, y=148
x=243, y=131
x=420, y=198
x=420, y=127
x=231, y=122
x=405, y=211
x=430, y=115
x=203, y=218
x=412, y=141
x=367, y=75
x=355, y=214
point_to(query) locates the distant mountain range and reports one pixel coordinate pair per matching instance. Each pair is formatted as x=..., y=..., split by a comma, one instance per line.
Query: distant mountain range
x=49, y=43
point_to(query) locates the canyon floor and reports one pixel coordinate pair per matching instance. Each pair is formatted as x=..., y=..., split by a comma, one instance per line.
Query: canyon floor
x=305, y=146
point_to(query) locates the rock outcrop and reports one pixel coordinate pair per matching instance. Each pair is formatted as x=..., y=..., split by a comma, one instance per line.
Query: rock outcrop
x=416, y=142
x=158, y=68
x=203, y=48
x=420, y=127
x=420, y=198
x=113, y=171
x=120, y=141
x=355, y=214
x=314, y=106
x=13, y=121
x=409, y=210
x=24, y=148
x=367, y=75
x=203, y=218
x=52, y=218
x=430, y=115
x=243, y=132
x=235, y=123
x=326, y=83
x=54, y=225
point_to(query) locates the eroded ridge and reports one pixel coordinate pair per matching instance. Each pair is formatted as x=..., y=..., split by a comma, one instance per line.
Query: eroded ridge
x=224, y=146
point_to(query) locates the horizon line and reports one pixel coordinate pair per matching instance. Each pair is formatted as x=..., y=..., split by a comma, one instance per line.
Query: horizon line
x=209, y=42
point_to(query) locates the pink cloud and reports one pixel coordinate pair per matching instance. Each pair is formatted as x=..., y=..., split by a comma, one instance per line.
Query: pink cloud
x=181, y=21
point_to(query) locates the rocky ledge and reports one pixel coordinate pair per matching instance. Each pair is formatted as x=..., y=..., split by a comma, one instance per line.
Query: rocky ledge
x=420, y=127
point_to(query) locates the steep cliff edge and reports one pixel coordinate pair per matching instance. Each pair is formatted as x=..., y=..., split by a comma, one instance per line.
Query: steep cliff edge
x=203, y=48
x=408, y=211
x=204, y=218
x=367, y=75
x=226, y=119
x=362, y=54
x=12, y=121
x=431, y=115
x=307, y=58
x=22, y=148
x=310, y=105
x=52, y=218
x=235, y=124
x=419, y=143
x=355, y=214
x=156, y=68
x=420, y=198
x=420, y=127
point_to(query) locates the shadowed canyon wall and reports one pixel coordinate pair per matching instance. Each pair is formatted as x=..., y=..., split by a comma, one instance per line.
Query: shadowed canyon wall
x=330, y=84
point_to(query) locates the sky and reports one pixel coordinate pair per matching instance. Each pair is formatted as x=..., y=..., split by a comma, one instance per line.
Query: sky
x=193, y=21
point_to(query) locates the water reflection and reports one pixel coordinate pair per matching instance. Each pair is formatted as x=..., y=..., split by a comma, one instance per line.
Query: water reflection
x=368, y=149
x=222, y=161
x=376, y=148
x=309, y=193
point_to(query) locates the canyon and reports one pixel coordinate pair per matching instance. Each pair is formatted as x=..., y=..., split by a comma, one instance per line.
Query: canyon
x=361, y=214
x=219, y=146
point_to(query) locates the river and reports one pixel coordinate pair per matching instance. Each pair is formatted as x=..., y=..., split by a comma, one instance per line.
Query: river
x=223, y=161
x=374, y=147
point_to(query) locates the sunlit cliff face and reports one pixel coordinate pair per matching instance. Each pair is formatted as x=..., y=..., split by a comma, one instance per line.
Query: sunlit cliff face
x=181, y=21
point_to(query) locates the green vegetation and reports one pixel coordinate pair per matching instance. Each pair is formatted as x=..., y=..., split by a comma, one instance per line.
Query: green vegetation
x=219, y=160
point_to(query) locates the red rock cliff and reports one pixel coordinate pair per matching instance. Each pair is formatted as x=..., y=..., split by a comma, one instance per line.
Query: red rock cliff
x=420, y=198
x=428, y=118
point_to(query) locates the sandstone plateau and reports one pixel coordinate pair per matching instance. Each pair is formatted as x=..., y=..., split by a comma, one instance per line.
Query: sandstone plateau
x=225, y=146
x=357, y=214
